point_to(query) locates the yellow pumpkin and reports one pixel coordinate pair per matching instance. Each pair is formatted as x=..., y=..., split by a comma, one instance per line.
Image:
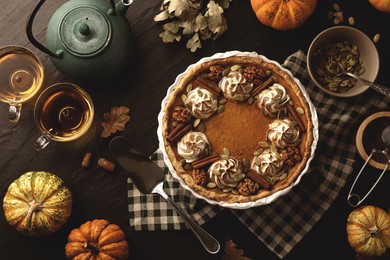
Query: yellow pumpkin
x=381, y=5
x=283, y=14
x=97, y=239
x=368, y=230
x=37, y=203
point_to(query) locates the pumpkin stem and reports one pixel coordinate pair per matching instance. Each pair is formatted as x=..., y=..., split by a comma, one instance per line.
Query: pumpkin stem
x=374, y=231
x=94, y=249
x=34, y=206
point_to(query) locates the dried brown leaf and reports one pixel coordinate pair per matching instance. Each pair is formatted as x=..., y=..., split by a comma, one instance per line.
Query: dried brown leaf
x=232, y=252
x=115, y=120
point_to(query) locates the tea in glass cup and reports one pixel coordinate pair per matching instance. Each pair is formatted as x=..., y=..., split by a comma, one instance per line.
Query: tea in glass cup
x=63, y=112
x=21, y=77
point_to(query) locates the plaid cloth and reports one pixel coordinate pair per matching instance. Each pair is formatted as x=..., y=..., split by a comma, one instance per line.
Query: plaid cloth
x=283, y=223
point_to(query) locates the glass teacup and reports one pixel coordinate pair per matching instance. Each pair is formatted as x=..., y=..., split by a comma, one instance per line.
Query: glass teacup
x=21, y=77
x=63, y=112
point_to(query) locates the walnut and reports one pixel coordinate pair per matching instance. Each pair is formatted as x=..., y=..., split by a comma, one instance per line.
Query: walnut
x=254, y=74
x=181, y=114
x=200, y=177
x=247, y=187
x=291, y=156
x=215, y=73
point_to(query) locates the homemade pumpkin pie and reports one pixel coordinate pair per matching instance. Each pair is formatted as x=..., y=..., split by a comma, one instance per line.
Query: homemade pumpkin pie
x=237, y=129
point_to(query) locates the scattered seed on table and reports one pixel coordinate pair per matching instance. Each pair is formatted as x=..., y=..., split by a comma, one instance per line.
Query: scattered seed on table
x=376, y=37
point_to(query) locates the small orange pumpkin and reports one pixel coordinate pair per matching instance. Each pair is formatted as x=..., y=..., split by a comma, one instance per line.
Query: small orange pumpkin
x=368, y=230
x=97, y=239
x=283, y=14
x=381, y=5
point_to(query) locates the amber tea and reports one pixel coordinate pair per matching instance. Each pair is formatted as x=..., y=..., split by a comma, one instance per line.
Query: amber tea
x=63, y=112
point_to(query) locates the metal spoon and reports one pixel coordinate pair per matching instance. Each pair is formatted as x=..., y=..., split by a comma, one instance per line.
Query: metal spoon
x=386, y=140
x=381, y=89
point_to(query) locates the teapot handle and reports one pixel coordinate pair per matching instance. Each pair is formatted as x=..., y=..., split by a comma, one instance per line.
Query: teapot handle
x=30, y=20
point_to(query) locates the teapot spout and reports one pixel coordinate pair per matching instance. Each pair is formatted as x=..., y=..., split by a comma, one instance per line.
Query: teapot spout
x=122, y=6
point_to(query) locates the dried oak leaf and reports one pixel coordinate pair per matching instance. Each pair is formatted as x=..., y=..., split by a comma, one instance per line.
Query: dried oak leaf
x=115, y=120
x=232, y=252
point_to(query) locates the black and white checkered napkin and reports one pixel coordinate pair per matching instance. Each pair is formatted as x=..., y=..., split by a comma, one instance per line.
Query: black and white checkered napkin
x=283, y=223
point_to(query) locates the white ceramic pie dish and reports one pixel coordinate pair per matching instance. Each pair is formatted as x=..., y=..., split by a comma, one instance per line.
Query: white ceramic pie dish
x=242, y=205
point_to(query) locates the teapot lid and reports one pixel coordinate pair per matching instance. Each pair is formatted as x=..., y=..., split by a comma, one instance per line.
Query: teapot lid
x=85, y=31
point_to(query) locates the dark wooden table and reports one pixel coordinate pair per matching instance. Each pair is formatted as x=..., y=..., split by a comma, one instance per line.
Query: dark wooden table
x=141, y=87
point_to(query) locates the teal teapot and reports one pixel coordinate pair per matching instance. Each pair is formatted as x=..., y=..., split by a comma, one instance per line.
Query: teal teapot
x=87, y=40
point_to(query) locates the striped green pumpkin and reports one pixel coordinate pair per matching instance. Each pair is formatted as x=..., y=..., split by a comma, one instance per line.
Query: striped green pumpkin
x=37, y=203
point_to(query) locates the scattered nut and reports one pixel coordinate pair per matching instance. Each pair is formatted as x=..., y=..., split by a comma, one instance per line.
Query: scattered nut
x=376, y=37
x=86, y=162
x=351, y=20
x=106, y=164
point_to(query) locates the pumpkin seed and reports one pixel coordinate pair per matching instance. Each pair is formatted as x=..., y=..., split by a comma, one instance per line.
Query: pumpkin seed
x=283, y=176
x=175, y=123
x=211, y=185
x=226, y=152
x=189, y=88
x=258, y=161
x=235, y=68
x=224, y=156
x=205, y=76
x=258, y=152
x=221, y=108
x=200, y=93
x=268, y=73
x=201, y=127
x=351, y=21
x=184, y=98
x=235, y=192
x=251, y=100
x=225, y=72
x=183, y=162
x=300, y=110
x=376, y=37
x=263, y=144
x=226, y=190
x=196, y=122
x=222, y=101
x=187, y=166
x=216, y=172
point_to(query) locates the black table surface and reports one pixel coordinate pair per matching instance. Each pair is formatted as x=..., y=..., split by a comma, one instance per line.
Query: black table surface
x=141, y=87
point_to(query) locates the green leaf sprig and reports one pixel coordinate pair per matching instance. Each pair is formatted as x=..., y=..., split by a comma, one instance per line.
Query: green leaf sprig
x=195, y=19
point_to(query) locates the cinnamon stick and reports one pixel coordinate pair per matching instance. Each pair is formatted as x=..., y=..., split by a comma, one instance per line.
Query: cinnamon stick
x=178, y=132
x=256, y=177
x=205, y=161
x=262, y=86
x=208, y=85
x=295, y=116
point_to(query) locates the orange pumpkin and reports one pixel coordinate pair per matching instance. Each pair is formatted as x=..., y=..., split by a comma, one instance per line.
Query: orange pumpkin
x=368, y=230
x=97, y=239
x=381, y=5
x=283, y=14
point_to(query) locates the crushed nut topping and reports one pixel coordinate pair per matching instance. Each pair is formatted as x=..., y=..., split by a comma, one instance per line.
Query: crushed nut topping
x=181, y=114
x=247, y=187
x=291, y=156
x=215, y=73
x=200, y=177
x=254, y=74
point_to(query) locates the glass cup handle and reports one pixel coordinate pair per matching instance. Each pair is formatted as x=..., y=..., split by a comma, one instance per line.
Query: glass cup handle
x=42, y=141
x=14, y=112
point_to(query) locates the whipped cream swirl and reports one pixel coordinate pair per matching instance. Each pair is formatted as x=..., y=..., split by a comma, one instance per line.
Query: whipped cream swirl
x=270, y=165
x=201, y=103
x=284, y=133
x=226, y=173
x=193, y=146
x=273, y=100
x=235, y=86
